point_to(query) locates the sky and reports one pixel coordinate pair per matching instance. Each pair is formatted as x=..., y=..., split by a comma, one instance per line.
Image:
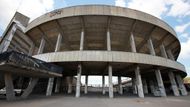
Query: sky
x=174, y=12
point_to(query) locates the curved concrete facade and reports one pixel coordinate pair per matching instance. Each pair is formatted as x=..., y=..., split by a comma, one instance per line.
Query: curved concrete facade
x=110, y=41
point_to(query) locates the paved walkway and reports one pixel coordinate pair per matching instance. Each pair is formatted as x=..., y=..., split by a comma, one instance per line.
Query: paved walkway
x=98, y=101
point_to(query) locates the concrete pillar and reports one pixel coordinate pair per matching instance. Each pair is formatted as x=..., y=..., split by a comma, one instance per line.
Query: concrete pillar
x=42, y=45
x=120, y=85
x=132, y=43
x=86, y=85
x=70, y=85
x=181, y=85
x=173, y=84
x=110, y=81
x=139, y=82
x=160, y=83
x=152, y=88
x=163, y=51
x=79, y=71
x=28, y=90
x=49, y=87
x=58, y=43
x=170, y=54
x=103, y=85
x=145, y=87
x=151, y=47
x=134, y=85
x=10, y=94
x=57, y=86
x=82, y=40
x=108, y=40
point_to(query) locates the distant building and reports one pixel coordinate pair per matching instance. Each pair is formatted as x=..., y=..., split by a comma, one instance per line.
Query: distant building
x=99, y=40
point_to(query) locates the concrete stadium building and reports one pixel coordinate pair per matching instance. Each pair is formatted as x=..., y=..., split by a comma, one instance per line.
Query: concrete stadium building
x=98, y=40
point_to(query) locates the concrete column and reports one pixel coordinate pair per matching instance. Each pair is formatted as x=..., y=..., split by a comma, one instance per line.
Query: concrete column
x=58, y=43
x=134, y=85
x=103, y=85
x=42, y=45
x=151, y=47
x=173, y=84
x=163, y=51
x=139, y=82
x=108, y=40
x=79, y=71
x=152, y=88
x=170, y=54
x=86, y=85
x=70, y=85
x=10, y=94
x=181, y=85
x=132, y=43
x=28, y=90
x=31, y=50
x=120, y=85
x=110, y=81
x=160, y=83
x=57, y=86
x=49, y=87
x=145, y=87
x=82, y=40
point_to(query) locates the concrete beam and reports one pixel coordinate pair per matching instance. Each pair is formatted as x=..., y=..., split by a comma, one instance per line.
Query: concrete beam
x=139, y=82
x=10, y=94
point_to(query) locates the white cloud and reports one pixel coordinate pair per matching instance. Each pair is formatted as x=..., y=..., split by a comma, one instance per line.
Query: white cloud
x=182, y=28
x=179, y=8
x=185, y=50
x=153, y=7
x=121, y=3
x=30, y=8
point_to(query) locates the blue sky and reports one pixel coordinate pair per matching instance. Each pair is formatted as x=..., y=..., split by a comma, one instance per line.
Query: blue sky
x=175, y=12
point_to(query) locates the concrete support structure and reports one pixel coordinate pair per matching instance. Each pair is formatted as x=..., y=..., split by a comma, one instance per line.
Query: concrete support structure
x=132, y=43
x=134, y=85
x=152, y=88
x=42, y=45
x=58, y=43
x=163, y=51
x=49, y=87
x=10, y=94
x=139, y=82
x=151, y=47
x=110, y=81
x=103, y=85
x=86, y=85
x=170, y=55
x=82, y=40
x=120, y=86
x=28, y=90
x=181, y=85
x=57, y=86
x=160, y=83
x=173, y=84
x=145, y=87
x=78, y=84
